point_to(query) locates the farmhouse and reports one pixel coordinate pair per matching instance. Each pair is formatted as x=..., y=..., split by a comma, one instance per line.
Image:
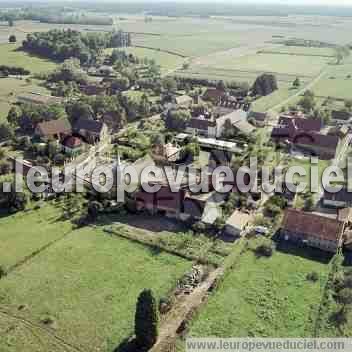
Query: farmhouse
x=314, y=230
x=39, y=99
x=238, y=119
x=91, y=131
x=304, y=134
x=213, y=126
x=53, y=130
x=164, y=201
x=202, y=125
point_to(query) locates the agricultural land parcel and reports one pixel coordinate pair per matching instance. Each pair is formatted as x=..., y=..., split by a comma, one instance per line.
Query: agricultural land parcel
x=87, y=283
x=167, y=61
x=285, y=62
x=10, y=87
x=265, y=297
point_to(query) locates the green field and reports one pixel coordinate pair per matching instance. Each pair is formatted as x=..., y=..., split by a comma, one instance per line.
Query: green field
x=194, y=45
x=279, y=64
x=87, y=283
x=300, y=50
x=264, y=297
x=340, y=88
x=187, y=36
x=165, y=60
x=11, y=87
x=286, y=68
x=11, y=56
x=24, y=233
x=265, y=103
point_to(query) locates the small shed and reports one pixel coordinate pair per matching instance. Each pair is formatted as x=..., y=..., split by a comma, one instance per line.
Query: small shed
x=237, y=223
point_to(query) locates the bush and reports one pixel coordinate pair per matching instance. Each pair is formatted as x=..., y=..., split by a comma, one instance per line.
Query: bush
x=2, y=272
x=265, y=85
x=264, y=250
x=313, y=276
x=199, y=227
x=12, y=39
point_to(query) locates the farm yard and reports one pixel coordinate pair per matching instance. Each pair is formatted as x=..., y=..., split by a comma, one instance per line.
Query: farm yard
x=88, y=304
x=268, y=297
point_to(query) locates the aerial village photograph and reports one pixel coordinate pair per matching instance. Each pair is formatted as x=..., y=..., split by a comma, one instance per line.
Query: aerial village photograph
x=175, y=175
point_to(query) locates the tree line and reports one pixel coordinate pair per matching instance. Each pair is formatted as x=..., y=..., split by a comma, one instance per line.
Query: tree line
x=12, y=70
x=60, y=45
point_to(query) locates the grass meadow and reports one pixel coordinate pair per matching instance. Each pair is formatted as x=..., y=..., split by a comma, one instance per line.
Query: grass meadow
x=10, y=88
x=276, y=63
x=264, y=297
x=24, y=233
x=83, y=288
x=12, y=56
x=286, y=67
x=165, y=60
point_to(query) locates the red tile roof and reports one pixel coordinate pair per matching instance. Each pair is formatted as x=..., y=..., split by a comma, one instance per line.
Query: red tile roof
x=304, y=131
x=314, y=225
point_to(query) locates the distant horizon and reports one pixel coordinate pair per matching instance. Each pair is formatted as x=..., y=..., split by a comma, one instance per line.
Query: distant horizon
x=288, y=3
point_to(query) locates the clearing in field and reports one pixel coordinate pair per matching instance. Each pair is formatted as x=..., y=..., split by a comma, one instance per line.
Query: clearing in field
x=268, y=297
x=84, y=289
